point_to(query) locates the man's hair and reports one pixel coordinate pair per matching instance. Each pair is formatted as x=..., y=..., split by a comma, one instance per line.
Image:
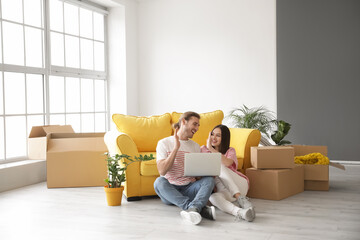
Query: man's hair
x=225, y=138
x=186, y=116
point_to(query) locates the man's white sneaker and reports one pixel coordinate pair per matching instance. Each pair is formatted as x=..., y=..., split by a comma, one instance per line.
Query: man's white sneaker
x=191, y=216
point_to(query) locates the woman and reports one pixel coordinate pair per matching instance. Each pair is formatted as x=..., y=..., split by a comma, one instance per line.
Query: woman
x=231, y=185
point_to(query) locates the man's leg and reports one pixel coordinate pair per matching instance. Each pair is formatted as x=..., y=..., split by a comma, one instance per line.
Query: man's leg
x=199, y=192
x=170, y=194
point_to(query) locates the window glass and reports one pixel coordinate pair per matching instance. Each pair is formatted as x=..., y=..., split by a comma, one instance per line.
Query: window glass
x=57, y=95
x=87, y=122
x=13, y=43
x=72, y=51
x=87, y=60
x=0, y=45
x=14, y=86
x=100, y=120
x=57, y=119
x=71, y=17
x=33, y=46
x=86, y=23
x=99, y=95
x=99, y=56
x=57, y=49
x=1, y=95
x=12, y=10
x=15, y=136
x=34, y=120
x=2, y=142
x=87, y=95
x=74, y=121
x=98, y=27
x=56, y=15
x=33, y=12
x=34, y=93
x=72, y=95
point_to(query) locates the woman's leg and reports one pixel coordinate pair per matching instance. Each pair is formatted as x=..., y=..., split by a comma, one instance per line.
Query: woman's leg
x=233, y=182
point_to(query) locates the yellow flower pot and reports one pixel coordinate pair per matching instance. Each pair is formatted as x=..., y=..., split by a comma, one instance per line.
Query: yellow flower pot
x=114, y=195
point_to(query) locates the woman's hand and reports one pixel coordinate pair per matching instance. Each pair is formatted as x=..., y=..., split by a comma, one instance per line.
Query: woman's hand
x=208, y=144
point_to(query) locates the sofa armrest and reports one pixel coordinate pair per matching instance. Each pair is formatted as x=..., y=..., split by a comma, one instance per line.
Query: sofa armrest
x=121, y=143
x=242, y=139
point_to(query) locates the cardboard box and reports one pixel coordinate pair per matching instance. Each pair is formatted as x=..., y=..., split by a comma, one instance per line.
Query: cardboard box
x=76, y=160
x=37, y=141
x=271, y=157
x=316, y=176
x=275, y=184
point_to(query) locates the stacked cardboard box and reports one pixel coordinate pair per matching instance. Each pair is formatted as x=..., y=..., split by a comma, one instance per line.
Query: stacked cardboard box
x=316, y=176
x=274, y=176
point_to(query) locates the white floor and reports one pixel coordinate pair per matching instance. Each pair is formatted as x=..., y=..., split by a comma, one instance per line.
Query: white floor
x=35, y=212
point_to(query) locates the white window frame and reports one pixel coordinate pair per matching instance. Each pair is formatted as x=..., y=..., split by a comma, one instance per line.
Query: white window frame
x=49, y=70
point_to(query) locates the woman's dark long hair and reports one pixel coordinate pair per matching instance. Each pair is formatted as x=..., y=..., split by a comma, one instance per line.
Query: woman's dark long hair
x=225, y=138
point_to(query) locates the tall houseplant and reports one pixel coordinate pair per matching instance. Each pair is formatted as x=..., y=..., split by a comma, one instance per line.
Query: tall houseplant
x=262, y=119
x=116, y=167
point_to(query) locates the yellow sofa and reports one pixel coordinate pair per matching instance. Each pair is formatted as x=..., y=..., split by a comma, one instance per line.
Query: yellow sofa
x=139, y=135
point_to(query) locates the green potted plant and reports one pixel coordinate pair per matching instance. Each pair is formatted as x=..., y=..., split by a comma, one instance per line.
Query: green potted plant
x=116, y=167
x=262, y=119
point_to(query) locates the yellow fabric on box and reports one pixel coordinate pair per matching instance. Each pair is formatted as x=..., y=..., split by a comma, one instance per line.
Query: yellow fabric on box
x=145, y=131
x=149, y=168
x=207, y=122
x=312, y=158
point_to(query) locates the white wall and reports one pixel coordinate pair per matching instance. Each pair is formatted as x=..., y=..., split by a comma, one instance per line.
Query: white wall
x=204, y=55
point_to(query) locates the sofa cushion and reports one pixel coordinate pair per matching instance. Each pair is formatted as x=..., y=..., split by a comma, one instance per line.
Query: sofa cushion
x=207, y=122
x=145, y=131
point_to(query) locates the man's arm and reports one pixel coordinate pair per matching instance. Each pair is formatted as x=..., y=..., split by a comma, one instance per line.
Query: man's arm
x=163, y=165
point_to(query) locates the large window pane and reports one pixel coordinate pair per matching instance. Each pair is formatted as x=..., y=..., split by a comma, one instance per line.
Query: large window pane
x=100, y=122
x=14, y=93
x=57, y=49
x=87, y=95
x=72, y=51
x=1, y=95
x=58, y=119
x=13, y=43
x=99, y=56
x=71, y=17
x=73, y=95
x=35, y=93
x=86, y=23
x=34, y=120
x=33, y=46
x=56, y=15
x=12, y=10
x=33, y=12
x=74, y=121
x=2, y=142
x=87, y=122
x=0, y=45
x=87, y=49
x=57, y=95
x=98, y=27
x=15, y=136
x=99, y=95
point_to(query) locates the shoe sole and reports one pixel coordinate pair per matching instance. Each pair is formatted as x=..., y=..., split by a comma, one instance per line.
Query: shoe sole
x=213, y=212
x=191, y=217
x=249, y=215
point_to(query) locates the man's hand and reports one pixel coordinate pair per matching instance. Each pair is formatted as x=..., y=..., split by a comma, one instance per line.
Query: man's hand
x=177, y=140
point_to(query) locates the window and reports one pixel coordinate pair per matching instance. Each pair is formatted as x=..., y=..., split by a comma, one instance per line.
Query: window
x=52, y=71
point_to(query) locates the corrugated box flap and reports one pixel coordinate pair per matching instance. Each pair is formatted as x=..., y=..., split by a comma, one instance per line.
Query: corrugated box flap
x=42, y=131
x=66, y=142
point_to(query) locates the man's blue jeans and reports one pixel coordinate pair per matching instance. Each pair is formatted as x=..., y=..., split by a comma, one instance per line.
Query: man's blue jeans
x=193, y=195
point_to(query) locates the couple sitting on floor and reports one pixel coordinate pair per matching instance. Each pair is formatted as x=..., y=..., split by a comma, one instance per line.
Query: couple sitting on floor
x=227, y=191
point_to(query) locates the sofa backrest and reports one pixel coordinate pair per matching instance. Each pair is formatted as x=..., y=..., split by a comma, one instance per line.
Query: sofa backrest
x=147, y=131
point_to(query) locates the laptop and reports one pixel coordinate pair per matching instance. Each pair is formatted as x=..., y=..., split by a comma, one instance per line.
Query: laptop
x=202, y=164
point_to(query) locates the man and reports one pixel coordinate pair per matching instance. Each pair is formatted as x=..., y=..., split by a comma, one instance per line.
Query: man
x=189, y=193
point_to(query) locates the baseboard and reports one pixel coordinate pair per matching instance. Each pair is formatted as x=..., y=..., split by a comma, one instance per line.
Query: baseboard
x=346, y=162
x=23, y=173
